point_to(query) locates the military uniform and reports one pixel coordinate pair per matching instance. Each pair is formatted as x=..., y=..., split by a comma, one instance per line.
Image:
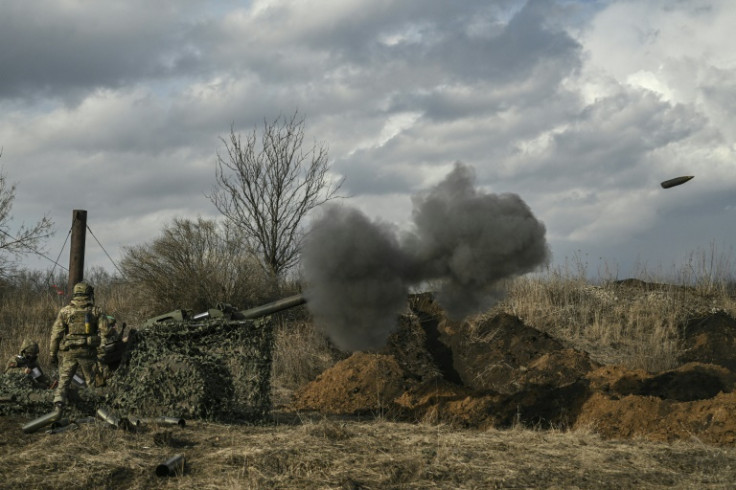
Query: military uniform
x=77, y=339
x=27, y=360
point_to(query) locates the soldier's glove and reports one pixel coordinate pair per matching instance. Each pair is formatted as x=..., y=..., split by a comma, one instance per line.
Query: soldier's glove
x=54, y=360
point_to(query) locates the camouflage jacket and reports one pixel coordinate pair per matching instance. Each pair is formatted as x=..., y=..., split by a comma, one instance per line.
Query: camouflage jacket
x=31, y=368
x=80, y=324
x=20, y=362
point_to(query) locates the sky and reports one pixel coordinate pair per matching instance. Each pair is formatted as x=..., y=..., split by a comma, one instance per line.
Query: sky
x=581, y=108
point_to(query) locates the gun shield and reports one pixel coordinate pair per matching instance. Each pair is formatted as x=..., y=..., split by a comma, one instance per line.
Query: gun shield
x=172, y=466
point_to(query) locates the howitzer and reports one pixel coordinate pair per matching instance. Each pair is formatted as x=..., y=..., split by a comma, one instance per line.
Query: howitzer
x=229, y=312
x=271, y=308
x=215, y=364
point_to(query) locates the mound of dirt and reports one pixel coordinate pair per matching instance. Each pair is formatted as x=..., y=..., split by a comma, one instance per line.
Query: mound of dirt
x=439, y=401
x=658, y=419
x=504, y=355
x=710, y=339
x=361, y=384
x=693, y=381
x=502, y=372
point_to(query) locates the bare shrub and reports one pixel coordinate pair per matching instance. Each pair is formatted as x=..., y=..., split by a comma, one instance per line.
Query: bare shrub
x=195, y=265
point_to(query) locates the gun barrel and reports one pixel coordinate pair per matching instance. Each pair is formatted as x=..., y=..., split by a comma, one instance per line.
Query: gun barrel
x=274, y=307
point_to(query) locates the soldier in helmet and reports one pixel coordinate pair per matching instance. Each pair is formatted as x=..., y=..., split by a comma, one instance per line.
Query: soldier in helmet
x=77, y=337
x=27, y=360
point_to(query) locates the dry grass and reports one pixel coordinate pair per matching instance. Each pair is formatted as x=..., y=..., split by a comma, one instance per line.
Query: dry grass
x=634, y=327
x=336, y=453
x=634, y=323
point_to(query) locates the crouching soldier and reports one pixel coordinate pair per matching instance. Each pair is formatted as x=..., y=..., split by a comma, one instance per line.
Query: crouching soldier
x=77, y=339
x=27, y=360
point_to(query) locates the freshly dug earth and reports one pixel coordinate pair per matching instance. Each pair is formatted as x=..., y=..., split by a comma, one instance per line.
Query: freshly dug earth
x=503, y=373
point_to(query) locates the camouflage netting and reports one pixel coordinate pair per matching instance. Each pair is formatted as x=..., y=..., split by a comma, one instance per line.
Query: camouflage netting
x=20, y=396
x=213, y=369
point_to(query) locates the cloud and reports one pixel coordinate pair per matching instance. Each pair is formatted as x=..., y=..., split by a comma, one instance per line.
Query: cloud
x=581, y=107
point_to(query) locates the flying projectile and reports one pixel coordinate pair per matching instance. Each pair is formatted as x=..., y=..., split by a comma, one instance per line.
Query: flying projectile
x=676, y=181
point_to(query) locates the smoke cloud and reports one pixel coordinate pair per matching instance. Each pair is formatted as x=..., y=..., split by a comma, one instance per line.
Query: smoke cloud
x=358, y=272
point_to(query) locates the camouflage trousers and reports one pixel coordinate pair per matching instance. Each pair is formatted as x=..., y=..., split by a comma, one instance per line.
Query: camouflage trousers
x=69, y=361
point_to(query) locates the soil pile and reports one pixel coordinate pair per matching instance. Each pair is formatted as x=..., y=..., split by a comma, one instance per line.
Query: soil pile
x=363, y=384
x=712, y=339
x=500, y=372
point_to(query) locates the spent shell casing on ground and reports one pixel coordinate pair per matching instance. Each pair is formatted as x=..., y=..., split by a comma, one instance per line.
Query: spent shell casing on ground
x=676, y=181
x=42, y=421
x=170, y=421
x=172, y=466
x=108, y=417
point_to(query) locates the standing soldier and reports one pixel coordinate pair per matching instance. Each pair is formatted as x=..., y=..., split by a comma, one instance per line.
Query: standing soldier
x=79, y=334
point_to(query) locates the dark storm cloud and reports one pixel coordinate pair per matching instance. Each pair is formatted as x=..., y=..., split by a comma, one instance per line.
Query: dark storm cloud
x=563, y=102
x=358, y=272
x=56, y=48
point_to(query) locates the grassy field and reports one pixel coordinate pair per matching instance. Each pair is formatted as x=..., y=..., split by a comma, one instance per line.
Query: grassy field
x=352, y=454
x=637, y=326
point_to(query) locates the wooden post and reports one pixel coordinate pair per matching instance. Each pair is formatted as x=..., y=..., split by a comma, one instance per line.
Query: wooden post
x=76, y=250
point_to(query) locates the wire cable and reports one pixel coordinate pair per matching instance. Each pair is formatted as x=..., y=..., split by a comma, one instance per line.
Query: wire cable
x=103, y=249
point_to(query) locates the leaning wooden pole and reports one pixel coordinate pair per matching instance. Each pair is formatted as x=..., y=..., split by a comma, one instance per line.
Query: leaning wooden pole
x=76, y=251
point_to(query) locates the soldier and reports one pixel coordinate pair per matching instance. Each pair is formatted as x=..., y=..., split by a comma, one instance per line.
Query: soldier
x=27, y=360
x=112, y=351
x=79, y=334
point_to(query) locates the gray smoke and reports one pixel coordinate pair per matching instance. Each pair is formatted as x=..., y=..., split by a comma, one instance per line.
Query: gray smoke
x=358, y=272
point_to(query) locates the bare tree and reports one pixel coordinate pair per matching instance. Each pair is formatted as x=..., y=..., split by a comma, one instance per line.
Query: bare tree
x=266, y=187
x=25, y=239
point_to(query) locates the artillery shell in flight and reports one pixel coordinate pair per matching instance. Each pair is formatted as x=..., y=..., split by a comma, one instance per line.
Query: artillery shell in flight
x=676, y=181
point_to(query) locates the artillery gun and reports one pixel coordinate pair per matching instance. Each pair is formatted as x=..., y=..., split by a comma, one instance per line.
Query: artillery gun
x=212, y=365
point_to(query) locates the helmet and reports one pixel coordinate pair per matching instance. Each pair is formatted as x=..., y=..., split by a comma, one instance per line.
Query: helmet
x=29, y=348
x=83, y=289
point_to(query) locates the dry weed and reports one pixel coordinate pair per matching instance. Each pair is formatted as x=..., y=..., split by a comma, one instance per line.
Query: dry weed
x=340, y=453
